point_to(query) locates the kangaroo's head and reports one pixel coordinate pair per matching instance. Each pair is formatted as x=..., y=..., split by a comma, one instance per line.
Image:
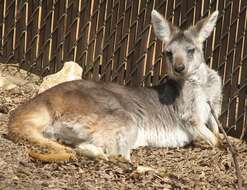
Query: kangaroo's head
x=183, y=49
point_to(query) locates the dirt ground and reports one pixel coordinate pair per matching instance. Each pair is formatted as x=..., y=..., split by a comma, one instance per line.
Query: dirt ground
x=197, y=166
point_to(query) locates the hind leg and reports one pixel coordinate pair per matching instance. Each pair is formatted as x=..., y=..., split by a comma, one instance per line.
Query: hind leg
x=56, y=152
x=29, y=125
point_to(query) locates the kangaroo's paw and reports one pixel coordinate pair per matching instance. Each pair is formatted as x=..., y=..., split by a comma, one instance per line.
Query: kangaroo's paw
x=212, y=139
x=91, y=151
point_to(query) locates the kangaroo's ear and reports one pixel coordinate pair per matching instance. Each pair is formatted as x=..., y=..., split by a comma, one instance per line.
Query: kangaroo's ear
x=204, y=28
x=162, y=28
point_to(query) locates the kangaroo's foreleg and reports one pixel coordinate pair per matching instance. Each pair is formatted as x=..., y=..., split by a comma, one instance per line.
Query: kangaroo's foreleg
x=200, y=118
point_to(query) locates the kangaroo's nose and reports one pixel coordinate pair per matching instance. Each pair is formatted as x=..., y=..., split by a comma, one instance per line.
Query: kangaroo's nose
x=179, y=68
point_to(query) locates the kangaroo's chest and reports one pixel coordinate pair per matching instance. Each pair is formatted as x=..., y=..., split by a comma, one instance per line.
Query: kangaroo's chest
x=193, y=104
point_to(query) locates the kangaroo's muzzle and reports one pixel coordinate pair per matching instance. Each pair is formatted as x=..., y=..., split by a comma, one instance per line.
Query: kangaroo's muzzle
x=179, y=69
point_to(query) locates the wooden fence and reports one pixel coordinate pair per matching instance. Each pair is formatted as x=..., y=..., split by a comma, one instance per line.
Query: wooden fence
x=114, y=41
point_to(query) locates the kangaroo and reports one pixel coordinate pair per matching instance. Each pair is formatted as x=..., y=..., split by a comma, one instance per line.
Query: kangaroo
x=106, y=119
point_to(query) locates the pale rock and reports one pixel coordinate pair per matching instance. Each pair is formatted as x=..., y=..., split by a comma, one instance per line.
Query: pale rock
x=70, y=71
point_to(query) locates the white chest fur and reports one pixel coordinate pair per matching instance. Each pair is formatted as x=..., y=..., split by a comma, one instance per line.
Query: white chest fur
x=175, y=137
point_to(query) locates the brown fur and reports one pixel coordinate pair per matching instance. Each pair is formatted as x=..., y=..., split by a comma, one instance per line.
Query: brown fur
x=29, y=120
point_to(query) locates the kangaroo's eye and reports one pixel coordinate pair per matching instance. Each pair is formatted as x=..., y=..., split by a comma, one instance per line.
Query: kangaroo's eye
x=191, y=52
x=168, y=54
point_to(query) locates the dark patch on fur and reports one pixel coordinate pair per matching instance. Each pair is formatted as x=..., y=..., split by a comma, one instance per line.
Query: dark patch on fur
x=168, y=91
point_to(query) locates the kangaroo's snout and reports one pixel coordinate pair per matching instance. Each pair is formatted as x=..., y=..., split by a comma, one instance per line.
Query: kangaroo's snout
x=179, y=68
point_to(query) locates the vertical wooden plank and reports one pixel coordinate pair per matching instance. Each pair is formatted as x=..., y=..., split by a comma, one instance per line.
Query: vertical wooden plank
x=230, y=63
x=2, y=5
x=33, y=24
x=71, y=30
x=242, y=92
x=20, y=45
x=9, y=29
x=209, y=42
x=223, y=53
x=198, y=9
x=84, y=31
x=58, y=34
x=177, y=12
x=132, y=54
x=108, y=43
x=43, y=55
x=216, y=64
